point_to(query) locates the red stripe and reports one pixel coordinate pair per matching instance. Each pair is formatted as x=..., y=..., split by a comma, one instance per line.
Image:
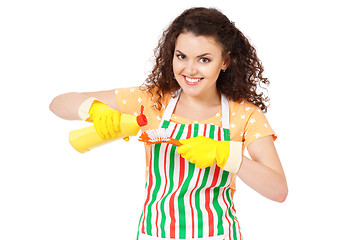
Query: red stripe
x=191, y=204
x=205, y=130
x=189, y=131
x=149, y=188
x=166, y=181
x=235, y=218
x=190, y=198
x=219, y=134
x=172, y=201
x=208, y=203
x=208, y=196
x=229, y=223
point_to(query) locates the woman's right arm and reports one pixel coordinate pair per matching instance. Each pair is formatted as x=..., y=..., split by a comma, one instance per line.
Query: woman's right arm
x=66, y=105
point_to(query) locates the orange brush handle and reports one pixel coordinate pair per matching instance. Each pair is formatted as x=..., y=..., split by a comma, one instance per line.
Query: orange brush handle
x=175, y=142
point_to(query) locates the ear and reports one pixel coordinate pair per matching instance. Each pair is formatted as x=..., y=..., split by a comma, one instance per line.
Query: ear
x=226, y=60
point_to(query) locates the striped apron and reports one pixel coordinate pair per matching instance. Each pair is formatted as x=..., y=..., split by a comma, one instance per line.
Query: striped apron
x=182, y=201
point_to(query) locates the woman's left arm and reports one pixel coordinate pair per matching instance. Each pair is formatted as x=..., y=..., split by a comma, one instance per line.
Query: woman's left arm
x=264, y=172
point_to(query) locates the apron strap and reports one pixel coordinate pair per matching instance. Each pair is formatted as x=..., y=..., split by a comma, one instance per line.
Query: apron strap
x=170, y=107
x=225, y=112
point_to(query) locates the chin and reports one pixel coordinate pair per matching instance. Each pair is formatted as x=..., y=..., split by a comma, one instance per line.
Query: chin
x=191, y=92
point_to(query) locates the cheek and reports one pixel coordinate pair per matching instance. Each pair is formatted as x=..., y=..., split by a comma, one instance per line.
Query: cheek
x=211, y=71
x=176, y=66
x=177, y=70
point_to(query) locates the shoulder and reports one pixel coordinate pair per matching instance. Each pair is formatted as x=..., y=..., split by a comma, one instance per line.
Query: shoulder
x=243, y=107
x=248, y=122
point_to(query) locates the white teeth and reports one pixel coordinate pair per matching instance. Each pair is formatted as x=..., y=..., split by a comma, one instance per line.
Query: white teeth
x=193, y=80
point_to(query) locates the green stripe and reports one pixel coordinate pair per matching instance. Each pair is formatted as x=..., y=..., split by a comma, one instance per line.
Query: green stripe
x=140, y=220
x=227, y=137
x=156, y=187
x=165, y=124
x=204, y=182
x=216, y=204
x=156, y=172
x=211, y=131
x=184, y=190
x=141, y=217
x=198, y=202
x=197, y=194
x=181, y=207
x=195, y=130
x=180, y=132
x=181, y=200
x=227, y=134
x=228, y=194
x=171, y=181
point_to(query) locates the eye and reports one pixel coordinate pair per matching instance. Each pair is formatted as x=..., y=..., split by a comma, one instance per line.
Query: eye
x=204, y=60
x=181, y=56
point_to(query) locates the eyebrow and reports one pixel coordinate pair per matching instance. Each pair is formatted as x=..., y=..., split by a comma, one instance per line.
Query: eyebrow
x=202, y=55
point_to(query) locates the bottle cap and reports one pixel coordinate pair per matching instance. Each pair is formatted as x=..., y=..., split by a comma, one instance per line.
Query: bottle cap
x=142, y=119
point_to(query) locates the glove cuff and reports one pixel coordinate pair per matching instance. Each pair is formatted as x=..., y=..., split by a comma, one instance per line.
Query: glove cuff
x=84, y=108
x=235, y=157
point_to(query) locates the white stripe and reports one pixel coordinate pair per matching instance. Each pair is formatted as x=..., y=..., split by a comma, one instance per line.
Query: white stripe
x=197, y=171
x=175, y=181
x=163, y=186
x=206, y=187
x=238, y=229
x=147, y=210
x=152, y=209
x=176, y=191
x=223, y=204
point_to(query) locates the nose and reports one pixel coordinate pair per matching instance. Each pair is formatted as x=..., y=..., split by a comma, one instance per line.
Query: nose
x=191, y=68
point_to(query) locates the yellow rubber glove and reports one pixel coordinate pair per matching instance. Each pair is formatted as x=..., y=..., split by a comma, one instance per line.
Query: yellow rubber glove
x=204, y=152
x=106, y=120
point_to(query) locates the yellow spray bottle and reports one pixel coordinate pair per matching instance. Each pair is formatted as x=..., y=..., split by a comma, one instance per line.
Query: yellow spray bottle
x=85, y=139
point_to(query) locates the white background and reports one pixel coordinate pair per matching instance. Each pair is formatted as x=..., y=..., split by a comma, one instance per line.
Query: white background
x=311, y=53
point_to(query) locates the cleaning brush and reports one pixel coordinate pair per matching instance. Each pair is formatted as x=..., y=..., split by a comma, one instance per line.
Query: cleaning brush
x=154, y=136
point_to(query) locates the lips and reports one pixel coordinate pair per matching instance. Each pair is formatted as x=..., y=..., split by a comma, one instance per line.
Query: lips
x=192, y=81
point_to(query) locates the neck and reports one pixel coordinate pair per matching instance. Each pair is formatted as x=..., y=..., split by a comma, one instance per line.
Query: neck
x=196, y=108
x=204, y=101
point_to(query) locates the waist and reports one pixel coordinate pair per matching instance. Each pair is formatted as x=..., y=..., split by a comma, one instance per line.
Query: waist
x=148, y=237
x=190, y=216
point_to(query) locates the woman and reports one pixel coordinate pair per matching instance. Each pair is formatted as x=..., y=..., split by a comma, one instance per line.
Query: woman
x=203, y=90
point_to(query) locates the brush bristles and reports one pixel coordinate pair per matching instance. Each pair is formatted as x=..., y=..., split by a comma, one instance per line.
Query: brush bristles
x=158, y=135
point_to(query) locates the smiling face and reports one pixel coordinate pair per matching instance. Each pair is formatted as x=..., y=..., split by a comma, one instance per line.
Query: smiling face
x=197, y=62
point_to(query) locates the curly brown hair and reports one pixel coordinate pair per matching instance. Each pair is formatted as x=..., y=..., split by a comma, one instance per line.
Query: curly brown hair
x=244, y=74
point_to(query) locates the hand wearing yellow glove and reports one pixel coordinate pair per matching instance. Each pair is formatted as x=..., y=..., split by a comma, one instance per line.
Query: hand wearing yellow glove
x=204, y=152
x=109, y=125
x=106, y=120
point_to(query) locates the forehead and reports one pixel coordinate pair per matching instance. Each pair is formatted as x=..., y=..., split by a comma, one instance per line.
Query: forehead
x=191, y=44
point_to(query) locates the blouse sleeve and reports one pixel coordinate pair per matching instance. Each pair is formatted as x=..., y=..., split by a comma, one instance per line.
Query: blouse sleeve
x=129, y=100
x=256, y=126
